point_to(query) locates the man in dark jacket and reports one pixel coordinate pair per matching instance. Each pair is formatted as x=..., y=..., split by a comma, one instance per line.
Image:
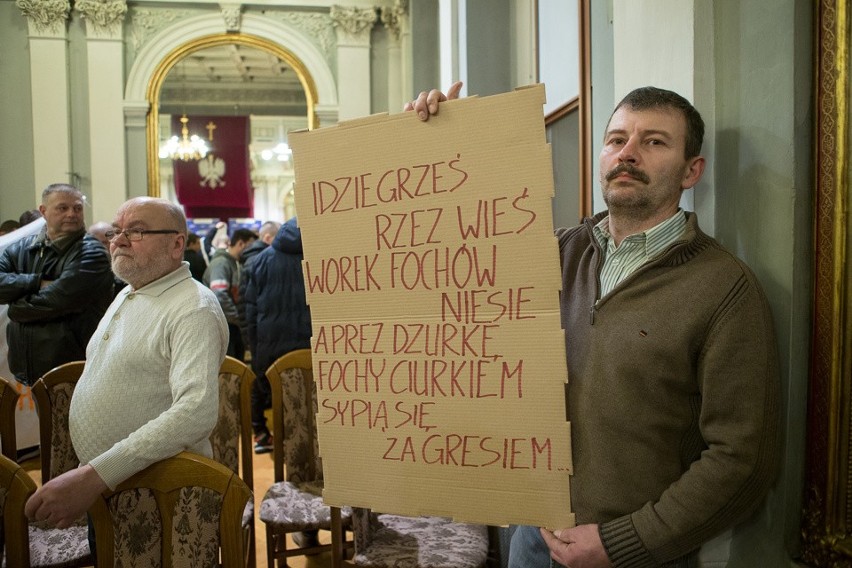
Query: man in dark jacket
x=277, y=316
x=192, y=254
x=223, y=277
x=58, y=284
x=265, y=235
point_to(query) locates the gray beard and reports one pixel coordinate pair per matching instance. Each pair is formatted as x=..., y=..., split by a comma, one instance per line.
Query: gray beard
x=138, y=276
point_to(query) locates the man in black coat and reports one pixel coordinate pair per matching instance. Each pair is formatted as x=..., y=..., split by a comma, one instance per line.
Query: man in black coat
x=192, y=254
x=58, y=284
x=265, y=235
x=277, y=315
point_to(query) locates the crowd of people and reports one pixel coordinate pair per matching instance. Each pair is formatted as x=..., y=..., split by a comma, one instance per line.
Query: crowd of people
x=122, y=296
x=673, y=396
x=65, y=258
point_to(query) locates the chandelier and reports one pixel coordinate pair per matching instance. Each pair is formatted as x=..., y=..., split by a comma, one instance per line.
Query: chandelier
x=186, y=148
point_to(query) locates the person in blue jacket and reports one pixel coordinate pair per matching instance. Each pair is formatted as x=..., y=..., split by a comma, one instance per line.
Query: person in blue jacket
x=278, y=319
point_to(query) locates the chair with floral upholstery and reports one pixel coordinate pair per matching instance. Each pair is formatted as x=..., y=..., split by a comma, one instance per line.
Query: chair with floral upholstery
x=294, y=504
x=186, y=510
x=15, y=488
x=8, y=400
x=232, y=437
x=396, y=541
x=52, y=394
x=35, y=545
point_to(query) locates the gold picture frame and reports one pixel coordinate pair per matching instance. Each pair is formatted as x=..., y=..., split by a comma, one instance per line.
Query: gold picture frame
x=827, y=515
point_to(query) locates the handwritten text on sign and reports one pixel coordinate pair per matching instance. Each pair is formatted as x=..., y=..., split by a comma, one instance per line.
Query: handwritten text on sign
x=433, y=279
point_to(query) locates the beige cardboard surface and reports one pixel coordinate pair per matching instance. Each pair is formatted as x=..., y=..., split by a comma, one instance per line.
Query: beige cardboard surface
x=433, y=279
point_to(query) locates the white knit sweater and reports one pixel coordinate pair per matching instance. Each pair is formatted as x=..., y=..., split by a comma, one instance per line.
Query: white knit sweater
x=150, y=388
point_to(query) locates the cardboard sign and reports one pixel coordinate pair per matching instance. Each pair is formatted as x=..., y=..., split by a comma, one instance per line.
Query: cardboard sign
x=433, y=278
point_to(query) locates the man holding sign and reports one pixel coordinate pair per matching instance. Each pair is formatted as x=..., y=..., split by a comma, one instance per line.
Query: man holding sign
x=439, y=365
x=673, y=388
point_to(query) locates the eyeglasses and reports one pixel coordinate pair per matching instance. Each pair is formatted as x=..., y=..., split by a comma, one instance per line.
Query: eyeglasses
x=137, y=234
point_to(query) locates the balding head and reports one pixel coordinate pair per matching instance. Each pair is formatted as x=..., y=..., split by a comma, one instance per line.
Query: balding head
x=170, y=212
x=99, y=230
x=268, y=231
x=159, y=251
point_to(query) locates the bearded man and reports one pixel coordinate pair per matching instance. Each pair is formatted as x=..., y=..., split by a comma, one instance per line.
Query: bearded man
x=149, y=389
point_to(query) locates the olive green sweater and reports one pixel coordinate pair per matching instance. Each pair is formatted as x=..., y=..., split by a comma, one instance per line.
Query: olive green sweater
x=673, y=395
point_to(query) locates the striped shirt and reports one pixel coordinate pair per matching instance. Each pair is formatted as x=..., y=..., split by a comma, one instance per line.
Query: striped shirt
x=635, y=250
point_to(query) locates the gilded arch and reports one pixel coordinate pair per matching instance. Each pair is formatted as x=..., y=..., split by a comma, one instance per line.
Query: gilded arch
x=172, y=44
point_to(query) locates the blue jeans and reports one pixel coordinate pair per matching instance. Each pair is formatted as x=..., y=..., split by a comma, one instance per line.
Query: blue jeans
x=528, y=549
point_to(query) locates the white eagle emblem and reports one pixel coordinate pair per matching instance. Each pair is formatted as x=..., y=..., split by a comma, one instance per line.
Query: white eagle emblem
x=211, y=169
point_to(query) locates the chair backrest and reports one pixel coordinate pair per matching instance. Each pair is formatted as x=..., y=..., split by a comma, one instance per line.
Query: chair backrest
x=186, y=509
x=16, y=486
x=8, y=400
x=294, y=408
x=231, y=438
x=52, y=393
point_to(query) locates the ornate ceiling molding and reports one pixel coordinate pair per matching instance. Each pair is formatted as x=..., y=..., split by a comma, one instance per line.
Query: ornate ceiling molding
x=392, y=17
x=232, y=14
x=317, y=26
x=353, y=25
x=239, y=95
x=146, y=22
x=104, y=17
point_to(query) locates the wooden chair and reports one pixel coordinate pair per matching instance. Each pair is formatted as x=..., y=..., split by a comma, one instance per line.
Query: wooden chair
x=35, y=545
x=184, y=510
x=294, y=504
x=388, y=541
x=231, y=439
x=15, y=488
x=8, y=400
x=52, y=394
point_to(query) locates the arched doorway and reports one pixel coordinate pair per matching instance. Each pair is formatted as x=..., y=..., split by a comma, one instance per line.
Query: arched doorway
x=171, y=45
x=229, y=76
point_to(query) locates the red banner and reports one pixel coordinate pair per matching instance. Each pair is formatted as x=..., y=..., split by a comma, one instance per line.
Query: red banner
x=218, y=185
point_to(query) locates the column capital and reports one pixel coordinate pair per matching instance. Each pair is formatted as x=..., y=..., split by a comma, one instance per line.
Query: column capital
x=353, y=25
x=392, y=17
x=46, y=18
x=103, y=17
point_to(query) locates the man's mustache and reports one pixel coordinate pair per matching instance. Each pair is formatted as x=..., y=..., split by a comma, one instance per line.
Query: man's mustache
x=632, y=171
